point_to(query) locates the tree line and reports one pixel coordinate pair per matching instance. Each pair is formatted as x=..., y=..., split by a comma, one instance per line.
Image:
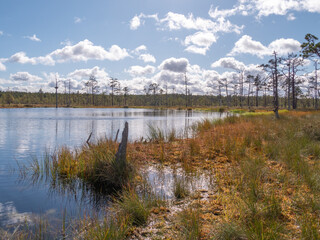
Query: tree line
x=278, y=85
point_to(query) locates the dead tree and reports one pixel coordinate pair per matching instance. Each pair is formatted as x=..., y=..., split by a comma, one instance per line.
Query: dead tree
x=272, y=68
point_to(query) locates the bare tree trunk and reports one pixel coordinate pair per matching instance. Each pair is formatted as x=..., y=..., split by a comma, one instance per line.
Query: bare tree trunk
x=275, y=88
x=294, y=106
x=257, y=96
x=316, y=85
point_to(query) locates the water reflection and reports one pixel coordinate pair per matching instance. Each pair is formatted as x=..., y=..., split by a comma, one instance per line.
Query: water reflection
x=10, y=216
x=27, y=133
x=163, y=178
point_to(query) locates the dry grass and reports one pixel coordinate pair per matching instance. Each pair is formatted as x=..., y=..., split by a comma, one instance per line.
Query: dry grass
x=267, y=174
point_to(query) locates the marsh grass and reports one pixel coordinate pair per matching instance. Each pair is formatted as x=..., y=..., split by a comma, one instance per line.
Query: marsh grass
x=267, y=175
x=180, y=188
x=190, y=224
x=109, y=228
x=229, y=231
x=156, y=134
x=137, y=209
x=93, y=164
x=271, y=161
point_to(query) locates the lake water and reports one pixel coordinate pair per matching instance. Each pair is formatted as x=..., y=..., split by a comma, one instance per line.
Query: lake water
x=28, y=133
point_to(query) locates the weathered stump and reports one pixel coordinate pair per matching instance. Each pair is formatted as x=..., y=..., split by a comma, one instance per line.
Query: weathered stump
x=120, y=157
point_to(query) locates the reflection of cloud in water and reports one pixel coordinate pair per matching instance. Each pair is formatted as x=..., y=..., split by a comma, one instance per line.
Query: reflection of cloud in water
x=10, y=216
x=23, y=146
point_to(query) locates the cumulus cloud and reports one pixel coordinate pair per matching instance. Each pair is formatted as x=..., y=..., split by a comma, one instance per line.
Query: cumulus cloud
x=202, y=39
x=197, y=50
x=135, y=23
x=2, y=67
x=169, y=77
x=86, y=50
x=81, y=74
x=82, y=51
x=229, y=62
x=279, y=7
x=33, y=38
x=247, y=45
x=207, y=29
x=21, y=57
x=176, y=21
x=199, y=42
x=137, y=20
x=178, y=65
x=264, y=8
x=141, y=71
x=284, y=46
x=147, y=58
x=24, y=76
x=211, y=78
x=140, y=49
x=291, y=17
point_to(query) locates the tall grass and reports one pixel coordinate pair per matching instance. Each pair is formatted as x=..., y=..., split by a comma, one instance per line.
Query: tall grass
x=156, y=134
x=93, y=164
x=190, y=224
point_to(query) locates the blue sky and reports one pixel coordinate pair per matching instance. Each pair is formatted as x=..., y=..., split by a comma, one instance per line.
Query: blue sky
x=140, y=42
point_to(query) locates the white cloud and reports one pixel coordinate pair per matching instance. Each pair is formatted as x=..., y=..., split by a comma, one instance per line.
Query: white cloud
x=291, y=17
x=199, y=42
x=84, y=74
x=24, y=76
x=135, y=23
x=77, y=20
x=2, y=67
x=82, y=51
x=197, y=50
x=21, y=57
x=137, y=20
x=229, y=62
x=201, y=39
x=147, y=58
x=178, y=65
x=86, y=50
x=282, y=46
x=141, y=71
x=176, y=21
x=140, y=49
x=265, y=8
x=169, y=77
x=211, y=76
x=246, y=45
x=33, y=38
x=311, y=5
x=1, y=33
x=66, y=42
x=216, y=13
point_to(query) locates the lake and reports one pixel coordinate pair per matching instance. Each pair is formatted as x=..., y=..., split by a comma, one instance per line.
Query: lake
x=30, y=133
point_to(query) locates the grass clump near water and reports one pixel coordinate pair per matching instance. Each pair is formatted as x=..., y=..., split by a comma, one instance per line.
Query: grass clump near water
x=190, y=224
x=180, y=188
x=93, y=164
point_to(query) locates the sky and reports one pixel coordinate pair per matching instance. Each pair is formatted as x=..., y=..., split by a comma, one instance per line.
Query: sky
x=140, y=42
